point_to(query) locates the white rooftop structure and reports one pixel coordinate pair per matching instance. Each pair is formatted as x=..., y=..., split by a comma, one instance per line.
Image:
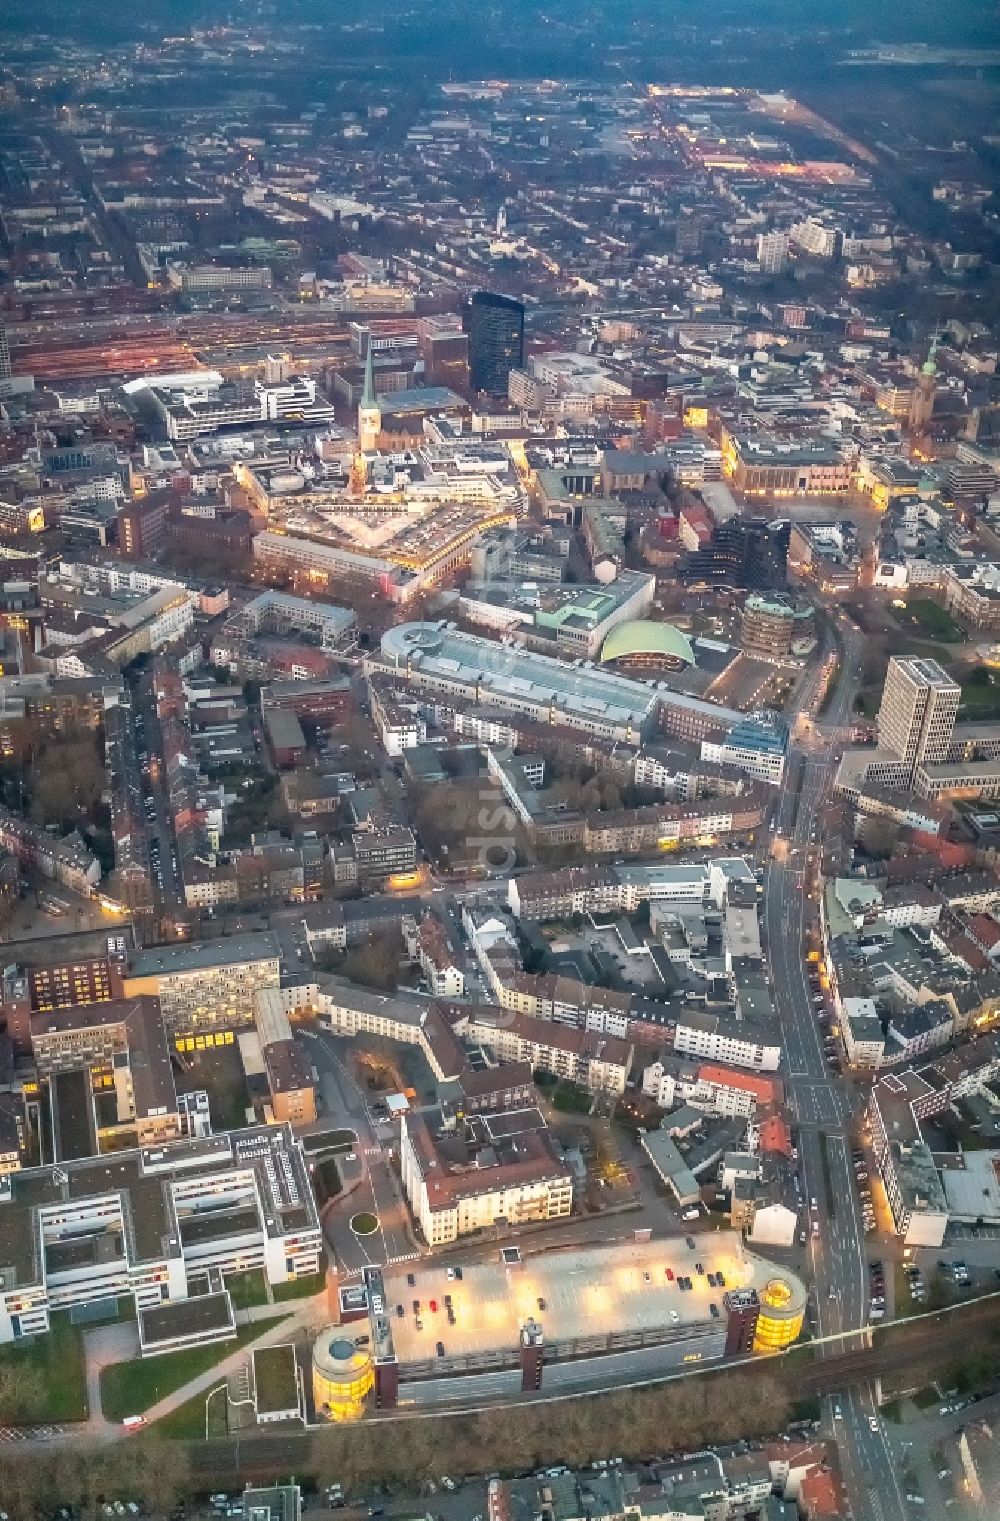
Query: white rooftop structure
x=507, y=675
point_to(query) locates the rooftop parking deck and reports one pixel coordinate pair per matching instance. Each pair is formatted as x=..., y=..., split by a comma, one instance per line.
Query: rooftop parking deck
x=575, y=1295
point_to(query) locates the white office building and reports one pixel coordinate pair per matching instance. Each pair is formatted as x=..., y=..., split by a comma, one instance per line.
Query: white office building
x=139, y=1222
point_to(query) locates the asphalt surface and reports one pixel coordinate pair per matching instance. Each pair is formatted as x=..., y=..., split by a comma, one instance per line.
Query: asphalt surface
x=821, y=1101
x=369, y=1181
x=165, y=876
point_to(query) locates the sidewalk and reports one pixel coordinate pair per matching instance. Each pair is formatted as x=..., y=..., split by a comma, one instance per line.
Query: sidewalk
x=310, y=1316
x=119, y=1343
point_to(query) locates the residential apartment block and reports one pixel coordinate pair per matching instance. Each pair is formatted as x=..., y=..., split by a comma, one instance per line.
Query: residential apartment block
x=502, y=1169
x=209, y=986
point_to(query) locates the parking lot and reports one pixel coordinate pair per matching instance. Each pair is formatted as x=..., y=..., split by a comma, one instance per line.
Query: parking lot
x=572, y=1294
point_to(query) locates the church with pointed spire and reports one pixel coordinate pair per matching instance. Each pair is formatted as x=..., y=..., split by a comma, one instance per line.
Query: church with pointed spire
x=369, y=411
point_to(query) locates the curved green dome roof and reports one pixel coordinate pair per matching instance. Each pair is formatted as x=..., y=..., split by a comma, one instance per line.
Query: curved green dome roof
x=640, y=637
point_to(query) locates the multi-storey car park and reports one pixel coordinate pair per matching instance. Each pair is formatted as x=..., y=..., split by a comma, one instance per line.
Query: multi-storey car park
x=574, y=1318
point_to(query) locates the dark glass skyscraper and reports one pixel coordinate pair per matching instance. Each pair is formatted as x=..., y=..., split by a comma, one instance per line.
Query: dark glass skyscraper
x=495, y=325
x=750, y=553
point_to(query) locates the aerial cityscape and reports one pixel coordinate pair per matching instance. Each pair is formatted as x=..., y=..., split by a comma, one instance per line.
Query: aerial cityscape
x=499, y=762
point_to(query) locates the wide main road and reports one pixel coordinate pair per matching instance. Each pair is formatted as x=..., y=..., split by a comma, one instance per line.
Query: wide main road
x=822, y=1102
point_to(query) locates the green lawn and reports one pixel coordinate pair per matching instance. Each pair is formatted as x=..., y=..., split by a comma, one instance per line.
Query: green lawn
x=247, y=1289
x=824, y=1157
x=130, y=1388
x=326, y=1180
x=299, y=1288
x=276, y=1377
x=187, y=1422
x=980, y=699
x=931, y=621
x=46, y=1380
x=831, y=687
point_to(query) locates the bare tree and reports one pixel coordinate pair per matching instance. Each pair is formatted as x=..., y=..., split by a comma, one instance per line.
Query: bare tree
x=376, y=963
x=66, y=781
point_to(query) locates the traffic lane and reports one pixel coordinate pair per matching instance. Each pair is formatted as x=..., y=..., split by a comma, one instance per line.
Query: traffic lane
x=352, y=1252
x=794, y=1006
x=160, y=827
x=866, y=1459
x=328, y=1053
x=844, y=1279
x=804, y=1054
x=873, y=1454
x=801, y=1002
x=334, y=1110
x=391, y=1209
x=819, y=1104
x=800, y=1047
x=838, y=1252
x=823, y=1245
x=818, y=1228
x=851, y=1264
x=838, y=1255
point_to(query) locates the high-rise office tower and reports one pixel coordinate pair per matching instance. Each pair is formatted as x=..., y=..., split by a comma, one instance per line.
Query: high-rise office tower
x=4, y=351
x=750, y=553
x=495, y=325
x=444, y=348
x=772, y=252
x=917, y=714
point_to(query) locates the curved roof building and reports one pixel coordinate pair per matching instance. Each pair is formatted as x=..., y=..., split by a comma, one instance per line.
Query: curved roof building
x=639, y=640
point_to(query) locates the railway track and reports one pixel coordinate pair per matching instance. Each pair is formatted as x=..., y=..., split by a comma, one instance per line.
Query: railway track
x=261, y=1456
